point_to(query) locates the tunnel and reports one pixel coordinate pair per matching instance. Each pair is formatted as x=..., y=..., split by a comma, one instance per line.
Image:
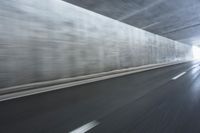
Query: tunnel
x=99, y=66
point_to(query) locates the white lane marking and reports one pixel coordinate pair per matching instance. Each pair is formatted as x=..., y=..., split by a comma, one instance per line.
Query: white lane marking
x=178, y=76
x=85, y=127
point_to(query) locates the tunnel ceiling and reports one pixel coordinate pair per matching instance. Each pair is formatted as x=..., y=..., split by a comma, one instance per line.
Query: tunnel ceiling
x=175, y=19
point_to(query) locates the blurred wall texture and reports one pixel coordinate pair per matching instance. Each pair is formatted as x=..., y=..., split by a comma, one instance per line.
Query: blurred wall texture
x=43, y=40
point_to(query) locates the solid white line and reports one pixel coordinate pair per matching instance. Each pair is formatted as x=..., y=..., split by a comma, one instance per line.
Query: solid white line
x=28, y=92
x=178, y=76
x=85, y=127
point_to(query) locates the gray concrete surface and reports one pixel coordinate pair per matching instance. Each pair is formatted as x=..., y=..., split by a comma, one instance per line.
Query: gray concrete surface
x=175, y=19
x=51, y=39
x=46, y=86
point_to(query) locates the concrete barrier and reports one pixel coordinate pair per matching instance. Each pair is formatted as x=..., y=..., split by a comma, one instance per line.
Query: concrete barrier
x=44, y=40
x=41, y=87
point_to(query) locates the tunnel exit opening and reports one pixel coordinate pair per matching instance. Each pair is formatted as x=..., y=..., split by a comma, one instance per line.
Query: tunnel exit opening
x=196, y=52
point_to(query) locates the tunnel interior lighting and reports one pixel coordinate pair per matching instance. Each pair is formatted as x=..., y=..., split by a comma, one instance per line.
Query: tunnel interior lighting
x=196, y=52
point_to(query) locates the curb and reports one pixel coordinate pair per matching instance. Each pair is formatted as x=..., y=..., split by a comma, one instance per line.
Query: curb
x=46, y=86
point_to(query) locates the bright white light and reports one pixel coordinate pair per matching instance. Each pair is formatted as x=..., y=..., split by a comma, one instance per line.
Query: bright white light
x=196, y=52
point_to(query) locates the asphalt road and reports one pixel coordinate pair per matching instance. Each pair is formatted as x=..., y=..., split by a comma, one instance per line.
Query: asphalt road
x=165, y=100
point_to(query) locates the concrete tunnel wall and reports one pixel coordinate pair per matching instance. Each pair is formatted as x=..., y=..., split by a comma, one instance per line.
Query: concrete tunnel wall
x=45, y=40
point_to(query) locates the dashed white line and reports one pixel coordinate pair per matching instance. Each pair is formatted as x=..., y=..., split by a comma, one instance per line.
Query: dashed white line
x=85, y=127
x=178, y=76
